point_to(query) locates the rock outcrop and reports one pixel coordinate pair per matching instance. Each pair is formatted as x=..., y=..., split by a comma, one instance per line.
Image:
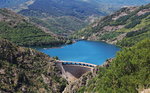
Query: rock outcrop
x=26, y=70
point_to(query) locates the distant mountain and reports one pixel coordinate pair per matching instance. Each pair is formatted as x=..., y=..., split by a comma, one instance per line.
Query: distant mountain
x=125, y=27
x=124, y=2
x=63, y=17
x=76, y=8
x=11, y=3
x=18, y=29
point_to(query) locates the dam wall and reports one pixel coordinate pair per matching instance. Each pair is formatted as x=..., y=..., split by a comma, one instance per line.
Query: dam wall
x=76, y=71
x=73, y=72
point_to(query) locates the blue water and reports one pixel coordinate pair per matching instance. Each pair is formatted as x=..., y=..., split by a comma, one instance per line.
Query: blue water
x=83, y=51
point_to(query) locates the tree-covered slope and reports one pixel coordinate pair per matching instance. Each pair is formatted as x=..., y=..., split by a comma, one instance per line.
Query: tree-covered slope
x=129, y=72
x=24, y=70
x=128, y=26
x=19, y=30
x=60, y=25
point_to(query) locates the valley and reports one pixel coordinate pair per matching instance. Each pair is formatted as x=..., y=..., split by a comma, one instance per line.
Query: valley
x=78, y=46
x=63, y=17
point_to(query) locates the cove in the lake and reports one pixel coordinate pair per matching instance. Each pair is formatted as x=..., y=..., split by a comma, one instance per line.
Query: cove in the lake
x=83, y=51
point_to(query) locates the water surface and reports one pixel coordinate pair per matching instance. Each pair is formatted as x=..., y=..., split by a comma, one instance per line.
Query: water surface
x=83, y=51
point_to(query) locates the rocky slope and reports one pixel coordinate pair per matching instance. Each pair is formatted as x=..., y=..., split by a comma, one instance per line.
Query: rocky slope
x=125, y=25
x=24, y=70
x=21, y=31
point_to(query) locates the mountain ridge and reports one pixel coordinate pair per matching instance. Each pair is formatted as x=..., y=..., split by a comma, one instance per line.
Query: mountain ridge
x=117, y=27
x=23, y=32
x=75, y=15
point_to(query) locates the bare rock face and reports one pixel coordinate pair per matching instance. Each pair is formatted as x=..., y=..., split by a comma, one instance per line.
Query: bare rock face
x=113, y=28
x=72, y=88
x=142, y=12
x=75, y=72
x=124, y=13
x=145, y=91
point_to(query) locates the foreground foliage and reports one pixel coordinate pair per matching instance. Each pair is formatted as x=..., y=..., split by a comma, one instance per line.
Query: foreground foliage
x=128, y=73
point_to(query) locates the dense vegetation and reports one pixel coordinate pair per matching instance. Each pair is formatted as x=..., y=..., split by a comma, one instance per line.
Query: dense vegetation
x=26, y=34
x=125, y=21
x=23, y=70
x=128, y=73
x=134, y=37
x=18, y=30
x=60, y=25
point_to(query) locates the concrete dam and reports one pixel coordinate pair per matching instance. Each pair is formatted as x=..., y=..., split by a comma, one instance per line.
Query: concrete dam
x=74, y=70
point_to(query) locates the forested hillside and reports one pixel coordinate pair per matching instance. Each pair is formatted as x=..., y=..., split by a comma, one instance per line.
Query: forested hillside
x=24, y=70
x=126, y=27
x=19, y=30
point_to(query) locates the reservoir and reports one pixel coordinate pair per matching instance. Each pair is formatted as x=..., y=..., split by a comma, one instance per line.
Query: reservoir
x=83, y=51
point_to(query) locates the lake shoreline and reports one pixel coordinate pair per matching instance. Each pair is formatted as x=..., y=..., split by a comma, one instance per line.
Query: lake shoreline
x=60, y=46
x=94, y=52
